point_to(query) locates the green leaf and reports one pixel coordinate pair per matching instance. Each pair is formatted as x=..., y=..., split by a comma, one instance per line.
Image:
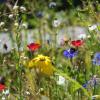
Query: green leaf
x=76, y=84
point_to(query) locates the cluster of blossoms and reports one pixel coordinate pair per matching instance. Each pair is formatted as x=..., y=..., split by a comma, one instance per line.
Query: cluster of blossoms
x=41, y=63
x=72, y=52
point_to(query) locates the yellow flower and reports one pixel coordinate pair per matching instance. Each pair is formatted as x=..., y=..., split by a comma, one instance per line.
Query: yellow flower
x=43, y=64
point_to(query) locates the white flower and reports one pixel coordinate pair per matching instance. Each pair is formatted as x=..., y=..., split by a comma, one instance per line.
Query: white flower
x=56, y=23
x=61, y=80
x=10, y=16
x=93, y=27
x=16, y=24
x=24, y=25
x=3, y=98
x=52, y=4
x=6, y=92
x=1, y=24
x=27, y=92
x=15, y=7
x=41, y=89
x=12, y=65
x=88, y=36
x=5, y=29
x=22, y=8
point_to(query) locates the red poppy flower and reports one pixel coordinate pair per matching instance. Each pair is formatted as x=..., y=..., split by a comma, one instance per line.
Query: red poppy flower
x=77, y=43
x=2, y=87
x=33, y=46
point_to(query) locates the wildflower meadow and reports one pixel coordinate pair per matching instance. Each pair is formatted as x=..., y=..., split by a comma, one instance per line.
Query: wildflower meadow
x=49, y=50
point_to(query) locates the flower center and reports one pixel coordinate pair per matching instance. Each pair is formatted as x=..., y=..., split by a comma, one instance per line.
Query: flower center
x=42, y=59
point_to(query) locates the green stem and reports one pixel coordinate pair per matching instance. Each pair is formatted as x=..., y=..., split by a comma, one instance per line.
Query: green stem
x=73, y=81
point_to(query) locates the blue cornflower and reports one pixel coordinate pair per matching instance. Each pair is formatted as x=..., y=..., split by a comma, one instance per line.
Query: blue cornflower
x=39, y=14
x=85, y=85
x=96, y=59
x=70, y=53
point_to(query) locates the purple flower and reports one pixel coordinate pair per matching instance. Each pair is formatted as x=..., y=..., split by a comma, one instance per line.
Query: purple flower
x=70, y=53
x=96, y=59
